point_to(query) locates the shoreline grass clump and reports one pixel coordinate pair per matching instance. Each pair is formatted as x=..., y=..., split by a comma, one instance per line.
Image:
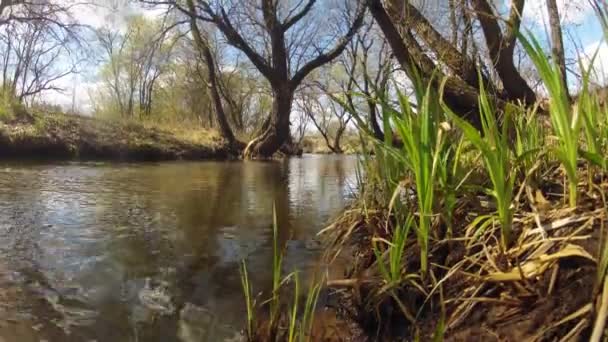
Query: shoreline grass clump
x=492, y=142
x=539, y=272
x=419, y=132
x=565, y=121
x=465, y=274
x=284, y=321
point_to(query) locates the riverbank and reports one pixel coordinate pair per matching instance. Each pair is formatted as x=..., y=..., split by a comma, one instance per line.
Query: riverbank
x=66, y=137
x=467, y=235
x=315, y=144
x=549, y=285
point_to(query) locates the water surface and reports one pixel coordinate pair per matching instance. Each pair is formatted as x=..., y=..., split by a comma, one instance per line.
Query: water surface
x=151, y=252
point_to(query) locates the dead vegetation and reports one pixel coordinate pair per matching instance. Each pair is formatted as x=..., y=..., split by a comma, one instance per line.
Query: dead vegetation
x=59, y=136
x=548, y=286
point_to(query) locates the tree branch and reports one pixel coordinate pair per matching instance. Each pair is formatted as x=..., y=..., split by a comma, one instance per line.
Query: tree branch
x=324, y=58
x=293, y=20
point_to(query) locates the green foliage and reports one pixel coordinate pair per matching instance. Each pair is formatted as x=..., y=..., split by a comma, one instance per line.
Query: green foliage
x=594, y=125
x=393, y=274
x=10, y=108
x=494, y=148
x=419, y=132
x=529, y=139
x=249, y=302
x=566, y=124
x=277, y=262
x=300, y=320
x=301, y=329
x=451, y=176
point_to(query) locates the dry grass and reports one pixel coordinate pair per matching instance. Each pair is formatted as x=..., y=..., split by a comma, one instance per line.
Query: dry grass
x=351, y=144
x=62, y=136
x=543, y=288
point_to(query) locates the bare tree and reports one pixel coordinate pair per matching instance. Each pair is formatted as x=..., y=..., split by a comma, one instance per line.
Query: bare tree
x=329, y=118
x=301, y=126
x=370, y=64
x=39, y=45
x=203, y=46
x=279, y=40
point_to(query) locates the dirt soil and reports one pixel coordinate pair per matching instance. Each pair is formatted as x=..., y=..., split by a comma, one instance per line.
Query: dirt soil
x=544, y=288
x=59, y=136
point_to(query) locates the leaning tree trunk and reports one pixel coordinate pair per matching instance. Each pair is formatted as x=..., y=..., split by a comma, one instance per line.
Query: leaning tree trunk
x=557, y=43
x=277, y=131
x=204, y=49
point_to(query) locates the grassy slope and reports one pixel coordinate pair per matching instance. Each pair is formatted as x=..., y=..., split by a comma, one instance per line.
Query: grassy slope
x=59, y=136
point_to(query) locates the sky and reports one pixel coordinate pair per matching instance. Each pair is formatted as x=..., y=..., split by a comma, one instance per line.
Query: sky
x=583, y=32
x=583, y=35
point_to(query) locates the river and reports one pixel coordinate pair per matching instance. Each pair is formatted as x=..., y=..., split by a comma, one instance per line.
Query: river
x=151, y=251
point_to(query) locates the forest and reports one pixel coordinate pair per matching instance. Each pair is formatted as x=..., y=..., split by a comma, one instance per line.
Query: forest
x=479, y=130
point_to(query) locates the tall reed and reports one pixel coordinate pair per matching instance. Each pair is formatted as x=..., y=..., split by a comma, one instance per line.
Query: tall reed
x=419, y=132
x=566, y=124
x=300, y=320
x=494, y=148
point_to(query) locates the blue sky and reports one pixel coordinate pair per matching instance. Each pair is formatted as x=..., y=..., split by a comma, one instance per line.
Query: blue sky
x=583, y=33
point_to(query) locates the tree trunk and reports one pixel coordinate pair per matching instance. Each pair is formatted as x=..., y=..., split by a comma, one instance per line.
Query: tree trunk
x=203, y=47
x=460, y=96
x=557, y=43
x=276, y=132
x=337, y=149
x=501, y=47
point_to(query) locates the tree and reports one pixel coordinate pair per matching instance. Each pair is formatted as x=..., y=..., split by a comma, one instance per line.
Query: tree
x=414, y=41
x=370, y=64
x=329, y=118
x=134, y=62
x=39, y=45
x=279, y=40
x=203, y=46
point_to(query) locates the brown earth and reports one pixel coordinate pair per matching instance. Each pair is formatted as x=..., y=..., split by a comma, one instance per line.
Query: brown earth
x=545, y=287
x=59, y=136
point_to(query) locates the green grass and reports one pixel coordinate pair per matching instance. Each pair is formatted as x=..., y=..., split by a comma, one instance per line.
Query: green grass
x=493, y=145
x=529, y=141
x=300, y=319
x=565, y=122
x=422, y=139
x=394, y=271
x=249, y=301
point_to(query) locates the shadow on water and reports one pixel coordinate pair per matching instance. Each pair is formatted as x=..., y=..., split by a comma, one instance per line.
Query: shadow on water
x=150, y=252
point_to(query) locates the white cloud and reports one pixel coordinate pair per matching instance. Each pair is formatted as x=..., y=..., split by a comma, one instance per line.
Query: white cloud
x=600, y=64
x=76, y=93
x=571, y=11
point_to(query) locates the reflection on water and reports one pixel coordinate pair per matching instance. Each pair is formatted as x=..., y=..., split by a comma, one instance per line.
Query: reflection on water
x=150, y=252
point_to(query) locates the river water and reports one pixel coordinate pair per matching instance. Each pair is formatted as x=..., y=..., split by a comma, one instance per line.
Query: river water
x=151, y=252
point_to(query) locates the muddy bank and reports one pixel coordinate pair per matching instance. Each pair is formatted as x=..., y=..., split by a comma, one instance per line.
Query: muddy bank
x=545, y=287
x=548, y=285
x=59, y=136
